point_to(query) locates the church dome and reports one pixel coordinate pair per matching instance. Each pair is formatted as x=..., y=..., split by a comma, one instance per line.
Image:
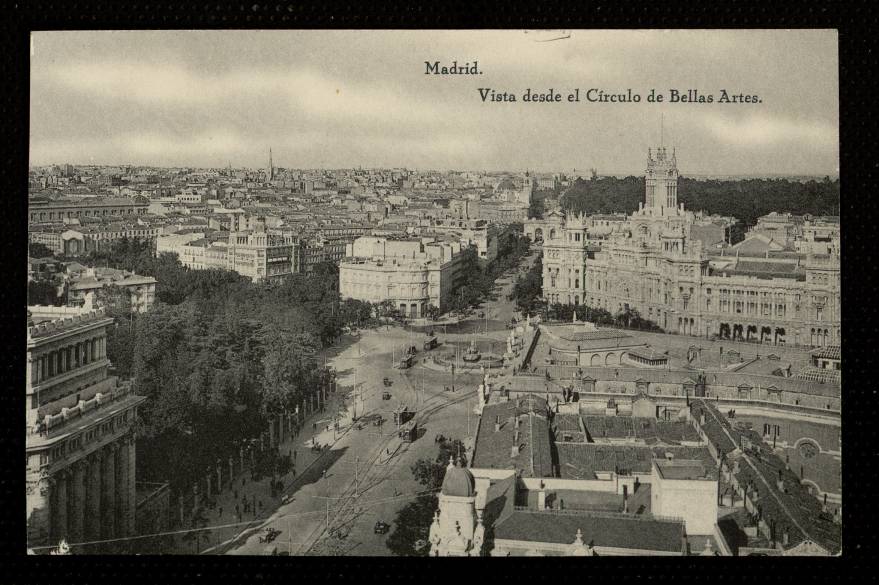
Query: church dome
x=458, y=482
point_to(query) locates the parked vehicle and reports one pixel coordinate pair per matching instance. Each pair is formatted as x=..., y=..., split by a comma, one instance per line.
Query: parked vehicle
x=381, y=527
x=270, y=535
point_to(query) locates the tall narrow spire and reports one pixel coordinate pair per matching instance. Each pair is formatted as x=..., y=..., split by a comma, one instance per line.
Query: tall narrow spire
x=271, y=166
x=661, y=129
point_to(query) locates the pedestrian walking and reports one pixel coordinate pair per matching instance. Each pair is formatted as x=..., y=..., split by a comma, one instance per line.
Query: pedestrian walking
x=221, y=512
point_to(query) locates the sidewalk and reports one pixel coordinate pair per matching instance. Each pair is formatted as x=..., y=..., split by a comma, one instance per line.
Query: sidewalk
x=256, y=491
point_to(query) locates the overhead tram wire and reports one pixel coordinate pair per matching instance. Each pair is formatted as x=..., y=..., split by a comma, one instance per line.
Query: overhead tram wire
x=232, y=525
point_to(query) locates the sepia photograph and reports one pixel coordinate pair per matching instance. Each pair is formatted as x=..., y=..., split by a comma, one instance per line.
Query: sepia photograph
x=429, y=293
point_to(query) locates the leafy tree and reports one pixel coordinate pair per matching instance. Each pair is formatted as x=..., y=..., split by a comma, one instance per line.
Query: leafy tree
x=411, y=525
x=528, y=290
x=115, y=300
x=218, y=355
x=429, y=473
x=42, y=292
x=433, y=312
x=413, y=520
x=535, y=209
x=39, y=250
x=745, y=199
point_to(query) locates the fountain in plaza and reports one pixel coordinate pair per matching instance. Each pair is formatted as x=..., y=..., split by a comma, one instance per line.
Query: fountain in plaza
x=471, y=355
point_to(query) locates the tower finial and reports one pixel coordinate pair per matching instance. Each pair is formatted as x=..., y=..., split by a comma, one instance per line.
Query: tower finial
x=661, y=130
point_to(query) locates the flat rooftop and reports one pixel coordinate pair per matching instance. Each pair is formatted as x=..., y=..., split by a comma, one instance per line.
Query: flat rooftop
x=684, y=470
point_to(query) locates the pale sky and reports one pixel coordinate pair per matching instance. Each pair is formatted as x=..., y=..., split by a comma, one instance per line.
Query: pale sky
x=341, y=99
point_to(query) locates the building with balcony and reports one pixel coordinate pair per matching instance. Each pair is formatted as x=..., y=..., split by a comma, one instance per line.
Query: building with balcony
x=258, y=254
x=84, y=287
x=410, y=273
x=80, y=433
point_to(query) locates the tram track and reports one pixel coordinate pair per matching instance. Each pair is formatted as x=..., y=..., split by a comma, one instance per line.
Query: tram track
x=376, y=473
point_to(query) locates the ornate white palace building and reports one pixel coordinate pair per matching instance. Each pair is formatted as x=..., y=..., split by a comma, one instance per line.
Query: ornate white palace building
x=660, y=262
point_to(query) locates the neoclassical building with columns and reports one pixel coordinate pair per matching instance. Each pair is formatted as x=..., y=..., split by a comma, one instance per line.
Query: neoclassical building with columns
x=663, y=263
x=80, y=433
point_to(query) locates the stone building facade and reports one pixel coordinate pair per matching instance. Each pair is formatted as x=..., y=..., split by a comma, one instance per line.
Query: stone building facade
x=80, y=439
x=103, y=207
x=260, y=254
x=411, y=274
x=653, y=263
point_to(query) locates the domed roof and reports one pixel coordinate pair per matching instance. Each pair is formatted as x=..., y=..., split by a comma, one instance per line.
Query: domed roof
x=458, y=481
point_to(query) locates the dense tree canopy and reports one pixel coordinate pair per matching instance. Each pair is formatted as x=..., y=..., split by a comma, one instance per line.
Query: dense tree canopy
x=627, y=319
x=42, y=292
x=218, y=355
x=528, y=290
x=745, y=199
x=38, y=250
x=478, y=278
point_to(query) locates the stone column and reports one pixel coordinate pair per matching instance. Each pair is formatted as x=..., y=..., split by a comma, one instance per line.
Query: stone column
x=271, y=432
x=219, y=476
x=76, y=520
x=241, y=457
x=208, y=480
x=59, y=510
x=108, y=493
x=231, y=470
x=39, y=511
x=123, y=498
x=131, y=444
x=93, y=497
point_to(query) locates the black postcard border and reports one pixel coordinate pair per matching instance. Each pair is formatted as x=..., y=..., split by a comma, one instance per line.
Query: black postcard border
x=856, y=23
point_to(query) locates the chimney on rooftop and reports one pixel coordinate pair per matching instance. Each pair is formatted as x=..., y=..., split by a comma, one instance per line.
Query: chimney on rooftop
x=497, y=423
x=514, y=451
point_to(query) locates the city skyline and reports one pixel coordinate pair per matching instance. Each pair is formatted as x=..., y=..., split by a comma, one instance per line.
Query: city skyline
x=209, y=98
